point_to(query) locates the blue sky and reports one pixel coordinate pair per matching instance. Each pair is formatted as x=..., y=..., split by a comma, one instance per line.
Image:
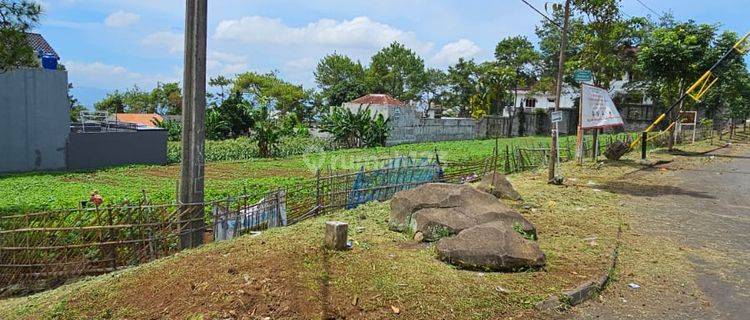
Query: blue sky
x=115, y=44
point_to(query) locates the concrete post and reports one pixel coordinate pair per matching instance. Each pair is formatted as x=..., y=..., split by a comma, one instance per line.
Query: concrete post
x=193, y=123
x=336, y=235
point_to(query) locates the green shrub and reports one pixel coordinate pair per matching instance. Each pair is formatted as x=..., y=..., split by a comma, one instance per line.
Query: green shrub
x=244, y=148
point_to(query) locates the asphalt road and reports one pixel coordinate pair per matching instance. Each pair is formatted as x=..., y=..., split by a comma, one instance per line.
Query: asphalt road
x=706, y=208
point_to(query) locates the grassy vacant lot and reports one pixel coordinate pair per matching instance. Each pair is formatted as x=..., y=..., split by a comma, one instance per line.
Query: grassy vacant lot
x=61, y=190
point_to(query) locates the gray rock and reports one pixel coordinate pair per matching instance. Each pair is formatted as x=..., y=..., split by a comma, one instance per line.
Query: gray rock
x=492, y=246
x=498, y=185
x=471, y=206
x=437, y=223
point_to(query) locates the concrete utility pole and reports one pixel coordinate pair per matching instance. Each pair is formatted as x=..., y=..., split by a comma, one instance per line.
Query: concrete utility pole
x=561, y=67
x=193, y=124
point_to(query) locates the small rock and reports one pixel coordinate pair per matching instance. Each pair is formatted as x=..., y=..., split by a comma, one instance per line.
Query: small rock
x=633, y=286
x=502, y=290
x=395, y=309
x=418, y=237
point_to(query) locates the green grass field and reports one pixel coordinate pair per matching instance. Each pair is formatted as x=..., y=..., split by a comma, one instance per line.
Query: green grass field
x=62, y=190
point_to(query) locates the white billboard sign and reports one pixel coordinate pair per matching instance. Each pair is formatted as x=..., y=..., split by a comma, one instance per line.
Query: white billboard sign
x=598, y=110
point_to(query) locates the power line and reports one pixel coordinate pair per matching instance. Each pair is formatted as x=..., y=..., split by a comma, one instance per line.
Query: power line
x=649, y=8
x=542, y=14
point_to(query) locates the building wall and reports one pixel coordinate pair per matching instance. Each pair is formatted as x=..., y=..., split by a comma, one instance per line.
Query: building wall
x=107, y=149
x=34, y=120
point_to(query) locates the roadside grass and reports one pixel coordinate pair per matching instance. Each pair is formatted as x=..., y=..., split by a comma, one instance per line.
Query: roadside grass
x=284, y=273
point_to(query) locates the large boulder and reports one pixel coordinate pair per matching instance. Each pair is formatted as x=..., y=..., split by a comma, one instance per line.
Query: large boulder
x=436, y=223
x=492, y=246
x=498, y=185
x=468, y=207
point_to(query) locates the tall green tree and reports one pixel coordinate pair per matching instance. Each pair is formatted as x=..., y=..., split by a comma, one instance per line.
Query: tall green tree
x=600, y=40
x=114, y=102
x=463, y=79
x=340, y=79
x=730, y=96
x=17, y=17
x=224, y=84
x=436, y=87
x=519, y=55
x=283, y=96
x=167, y=98
x=671, y=58
x=398, y=71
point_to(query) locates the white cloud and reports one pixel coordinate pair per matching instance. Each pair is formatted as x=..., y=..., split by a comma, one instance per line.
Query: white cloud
x=225, y=63
x=305, y=64
x=359, y=32
x=121, y=19
x=101, y=75
x=172, y=42
x=450, y=53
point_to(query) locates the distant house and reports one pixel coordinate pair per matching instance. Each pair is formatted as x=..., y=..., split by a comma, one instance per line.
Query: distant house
x=384, y=104
x=46, y=54
x=141, y=120
x=528, y=99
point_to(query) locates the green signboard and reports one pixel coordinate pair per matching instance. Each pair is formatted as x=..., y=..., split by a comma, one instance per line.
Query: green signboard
x=583, y=75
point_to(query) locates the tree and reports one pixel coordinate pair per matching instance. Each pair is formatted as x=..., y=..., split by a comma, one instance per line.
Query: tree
x=518, y=55
x=355, y=130
x=234, y=110
x=340, y=79
x=17, y=17
x=138, y=101
x=75, y=106
x=463, y=79
x=493, y=86
x=217, y=127
x=730, y=96
x=398, y=71
x=224, y=84
x=265, y=129
x=600, y=40
x=283, y=96
x=436, y=86
x=167, y=98
x=114, y=102
x=671, y=58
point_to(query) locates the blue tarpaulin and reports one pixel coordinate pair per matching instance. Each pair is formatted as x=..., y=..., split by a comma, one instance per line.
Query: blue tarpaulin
x=397, y=174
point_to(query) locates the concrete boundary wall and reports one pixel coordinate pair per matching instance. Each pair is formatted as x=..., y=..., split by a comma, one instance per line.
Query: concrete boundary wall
x=34, y=120
x=409, y=127
x=108, y=149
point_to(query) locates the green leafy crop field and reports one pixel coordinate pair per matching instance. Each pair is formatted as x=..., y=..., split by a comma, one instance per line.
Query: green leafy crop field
x=64, y=190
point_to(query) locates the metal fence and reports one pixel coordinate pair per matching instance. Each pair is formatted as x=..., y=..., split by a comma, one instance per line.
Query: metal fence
x=42, y=250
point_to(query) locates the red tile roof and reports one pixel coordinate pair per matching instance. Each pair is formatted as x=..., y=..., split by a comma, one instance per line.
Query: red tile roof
x=378, y=99
x=141, y=119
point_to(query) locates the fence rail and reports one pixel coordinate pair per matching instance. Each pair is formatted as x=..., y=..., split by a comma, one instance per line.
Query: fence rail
x=47, y=248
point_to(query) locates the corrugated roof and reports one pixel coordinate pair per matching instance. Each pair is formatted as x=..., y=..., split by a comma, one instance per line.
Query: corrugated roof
x=141, y=119
x=38, y=42
x=378, y=99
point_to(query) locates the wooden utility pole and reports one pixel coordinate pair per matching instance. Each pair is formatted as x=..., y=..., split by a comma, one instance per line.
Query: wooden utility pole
x=193, y=124
x=553, y=178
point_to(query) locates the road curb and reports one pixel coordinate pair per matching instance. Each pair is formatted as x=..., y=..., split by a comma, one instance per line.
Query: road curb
x=583, y=292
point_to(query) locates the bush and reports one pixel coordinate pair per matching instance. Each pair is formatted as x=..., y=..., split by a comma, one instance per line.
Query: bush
x=245, y=148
